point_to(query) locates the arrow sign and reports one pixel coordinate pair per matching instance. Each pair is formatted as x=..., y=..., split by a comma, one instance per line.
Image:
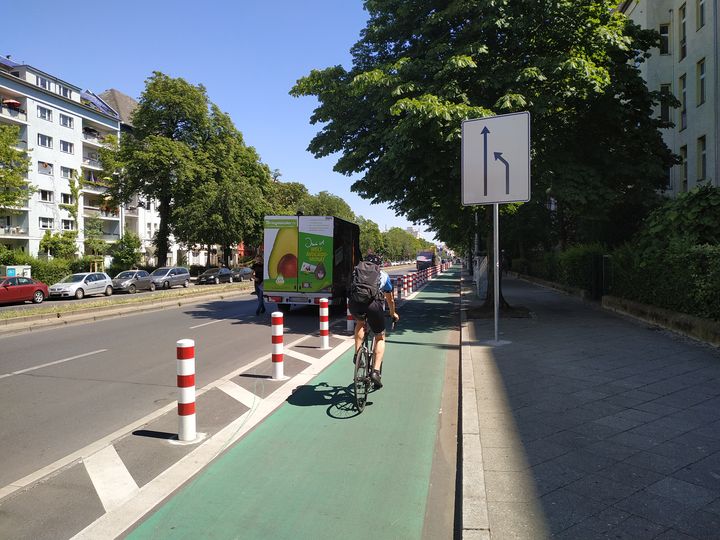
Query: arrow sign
x=489, y=146
x=498, y=157
x=485, y=132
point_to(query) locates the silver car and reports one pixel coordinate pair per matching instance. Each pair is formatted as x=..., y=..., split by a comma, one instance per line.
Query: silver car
x=132, y=281
x=170, y=276
x=82, y=284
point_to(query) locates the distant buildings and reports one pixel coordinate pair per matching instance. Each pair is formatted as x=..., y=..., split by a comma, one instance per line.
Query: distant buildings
x=685, y=64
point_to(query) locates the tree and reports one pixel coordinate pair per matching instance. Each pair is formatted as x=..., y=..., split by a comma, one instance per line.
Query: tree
x=327, y=204
x=94, y=243
x=287, y=198
x=14, y=166
x=370, y=236
x=423, y=66
x=61, y=245
x=126, y=251
x=161, y=157
x=228, y=202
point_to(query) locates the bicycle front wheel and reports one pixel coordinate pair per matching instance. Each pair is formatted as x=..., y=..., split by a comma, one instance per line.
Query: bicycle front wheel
x=362, y=377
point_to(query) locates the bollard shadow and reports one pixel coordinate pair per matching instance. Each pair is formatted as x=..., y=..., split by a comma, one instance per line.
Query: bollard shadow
x=154, y=434
x=339, y=400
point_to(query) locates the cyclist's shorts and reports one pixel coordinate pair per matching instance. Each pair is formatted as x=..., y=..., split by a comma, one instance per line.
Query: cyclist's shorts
x=374, y=313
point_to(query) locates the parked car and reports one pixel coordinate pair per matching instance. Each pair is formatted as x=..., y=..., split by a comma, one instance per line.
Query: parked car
x=170, y=276
x=19, y=289
x=244, y=273
x=215, y=275
x=82, y=284
x=132, y=281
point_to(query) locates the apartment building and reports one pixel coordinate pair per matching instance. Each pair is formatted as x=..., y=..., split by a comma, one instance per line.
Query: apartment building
x=62, y=128
x=686, y=65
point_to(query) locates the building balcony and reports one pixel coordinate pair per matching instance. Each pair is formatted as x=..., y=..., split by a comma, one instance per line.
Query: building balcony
x=131, y=211
x=11, y=113
x=96, y=212
x=93, y=139
x=14, y=231
x=92, y=163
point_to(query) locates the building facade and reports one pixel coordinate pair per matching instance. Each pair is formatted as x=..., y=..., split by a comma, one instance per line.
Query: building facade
x=62, y=128
x=686, y=65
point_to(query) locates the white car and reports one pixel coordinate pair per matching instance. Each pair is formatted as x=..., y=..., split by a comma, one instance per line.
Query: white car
x=83, y=284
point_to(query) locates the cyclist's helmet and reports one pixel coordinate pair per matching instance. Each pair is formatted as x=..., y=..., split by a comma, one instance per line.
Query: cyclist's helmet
x=372, y=258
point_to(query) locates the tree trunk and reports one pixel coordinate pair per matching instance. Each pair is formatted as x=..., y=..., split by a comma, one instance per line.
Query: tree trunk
x=162, y=241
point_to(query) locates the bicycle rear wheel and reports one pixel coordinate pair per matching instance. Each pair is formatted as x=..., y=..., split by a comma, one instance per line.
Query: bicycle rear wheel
x=361, y=382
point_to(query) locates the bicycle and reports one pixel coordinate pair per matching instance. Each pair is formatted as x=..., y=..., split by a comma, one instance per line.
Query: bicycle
x=364, y=360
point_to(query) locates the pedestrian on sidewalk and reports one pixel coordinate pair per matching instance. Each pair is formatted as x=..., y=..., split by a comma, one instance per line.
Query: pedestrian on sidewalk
x=258, y=268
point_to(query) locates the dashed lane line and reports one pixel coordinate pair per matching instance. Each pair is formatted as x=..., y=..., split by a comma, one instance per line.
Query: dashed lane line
x=21, y=371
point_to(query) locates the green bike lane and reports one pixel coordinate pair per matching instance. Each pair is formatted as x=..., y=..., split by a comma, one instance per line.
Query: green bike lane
x=317, y=469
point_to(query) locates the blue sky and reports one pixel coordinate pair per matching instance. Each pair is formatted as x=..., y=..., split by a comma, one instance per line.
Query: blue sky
x=247, y=53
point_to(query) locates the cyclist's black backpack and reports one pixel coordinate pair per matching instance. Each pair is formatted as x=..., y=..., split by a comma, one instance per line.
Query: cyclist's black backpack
x=365, y=284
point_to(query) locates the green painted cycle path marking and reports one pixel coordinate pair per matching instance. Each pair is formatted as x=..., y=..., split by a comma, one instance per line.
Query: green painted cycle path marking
x=316, y=469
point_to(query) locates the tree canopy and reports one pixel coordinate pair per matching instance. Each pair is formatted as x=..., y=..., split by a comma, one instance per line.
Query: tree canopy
x=14, y=165
x=421, y=67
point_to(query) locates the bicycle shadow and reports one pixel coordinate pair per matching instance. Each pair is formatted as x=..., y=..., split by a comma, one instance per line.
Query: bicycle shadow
x=339, y=400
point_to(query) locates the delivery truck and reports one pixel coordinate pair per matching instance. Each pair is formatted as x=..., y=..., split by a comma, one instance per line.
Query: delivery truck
x=308, y=258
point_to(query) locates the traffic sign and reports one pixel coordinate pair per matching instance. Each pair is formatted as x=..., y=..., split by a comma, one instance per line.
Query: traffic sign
x=496, y=159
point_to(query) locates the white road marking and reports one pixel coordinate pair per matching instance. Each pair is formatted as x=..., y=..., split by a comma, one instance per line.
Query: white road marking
x=300, y=356
x=239, y=393
x=52, y=363
x=206, y=324
x=112, y=480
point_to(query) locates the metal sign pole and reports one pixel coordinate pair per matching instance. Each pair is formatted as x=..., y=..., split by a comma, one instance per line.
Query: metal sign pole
x=496, y=277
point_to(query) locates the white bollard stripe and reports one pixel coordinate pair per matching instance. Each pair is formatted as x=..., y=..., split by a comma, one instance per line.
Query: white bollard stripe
x=186, y=367
x=186, y=395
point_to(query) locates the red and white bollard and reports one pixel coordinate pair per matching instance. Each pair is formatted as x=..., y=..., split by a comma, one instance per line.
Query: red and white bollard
x=276, y=319
x=324, y=325
x=404, y=286
x=186, y=389
x=349, y=320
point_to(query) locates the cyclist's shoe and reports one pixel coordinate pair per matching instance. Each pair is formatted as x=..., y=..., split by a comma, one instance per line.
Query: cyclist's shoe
x=375, y=378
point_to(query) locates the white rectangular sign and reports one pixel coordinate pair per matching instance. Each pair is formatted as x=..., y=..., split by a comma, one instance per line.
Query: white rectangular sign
x=496, y=159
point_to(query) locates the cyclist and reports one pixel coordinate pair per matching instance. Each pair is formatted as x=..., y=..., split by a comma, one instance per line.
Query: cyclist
x=374, y=314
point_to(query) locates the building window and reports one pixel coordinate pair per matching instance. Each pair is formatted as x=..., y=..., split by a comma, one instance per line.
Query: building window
x=46, y=195
x=683, y=31
x=46, y=222
x=700, y=83
x=45, y=168
x=42, y=82
x=44, y=113
x=66, y=198
x=66, y=121
x=67, y=147
x=68, y=225
x=683, y=169
x=664, y=39
x=683, y=102
x=700, y=13
x=701, y=159
x=65, y=92
x=44, y=140
x=66, y=172
x=665, y=107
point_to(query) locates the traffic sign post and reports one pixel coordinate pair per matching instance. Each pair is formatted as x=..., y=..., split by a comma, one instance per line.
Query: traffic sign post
x=495, y=163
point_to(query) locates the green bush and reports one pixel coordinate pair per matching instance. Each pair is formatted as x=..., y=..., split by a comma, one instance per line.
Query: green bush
x=579, y=266
x=50, y=272
x=684, y=277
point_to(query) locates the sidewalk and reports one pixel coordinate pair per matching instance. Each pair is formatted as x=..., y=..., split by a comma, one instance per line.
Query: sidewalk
x=587, y=425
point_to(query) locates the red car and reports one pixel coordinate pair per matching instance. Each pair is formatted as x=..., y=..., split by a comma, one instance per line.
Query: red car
x=20, y=289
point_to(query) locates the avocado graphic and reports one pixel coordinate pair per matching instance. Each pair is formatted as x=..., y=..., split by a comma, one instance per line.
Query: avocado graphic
x=320, y=271
x=283, y=257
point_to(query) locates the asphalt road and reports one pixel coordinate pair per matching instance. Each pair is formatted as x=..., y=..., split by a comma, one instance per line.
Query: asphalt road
x=65, y=388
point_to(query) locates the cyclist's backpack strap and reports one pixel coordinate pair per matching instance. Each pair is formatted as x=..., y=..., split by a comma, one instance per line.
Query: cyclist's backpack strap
x=365, y=284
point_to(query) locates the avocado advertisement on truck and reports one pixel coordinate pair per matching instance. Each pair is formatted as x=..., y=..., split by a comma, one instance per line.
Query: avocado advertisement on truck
x=308, y=258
